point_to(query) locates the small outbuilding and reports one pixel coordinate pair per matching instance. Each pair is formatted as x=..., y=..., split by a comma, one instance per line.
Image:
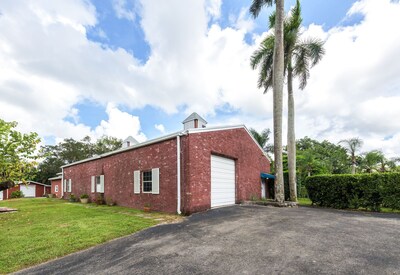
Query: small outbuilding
x=56, y=185
x=188, y=171
x=30, y=189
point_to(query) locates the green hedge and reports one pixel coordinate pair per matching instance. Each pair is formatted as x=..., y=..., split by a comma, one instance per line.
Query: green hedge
x=371, y=191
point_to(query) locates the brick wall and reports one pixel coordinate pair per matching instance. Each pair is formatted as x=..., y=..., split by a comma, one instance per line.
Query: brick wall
x=118, y=176
x=235, y=144
x=55, y=183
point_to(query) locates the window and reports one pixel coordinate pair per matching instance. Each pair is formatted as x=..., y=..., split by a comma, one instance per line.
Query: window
x=97, y=180
x=147, y=182
x=56, y=188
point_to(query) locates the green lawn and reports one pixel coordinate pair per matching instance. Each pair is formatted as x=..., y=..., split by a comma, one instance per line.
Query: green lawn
x=307, y=202
x=44, y=229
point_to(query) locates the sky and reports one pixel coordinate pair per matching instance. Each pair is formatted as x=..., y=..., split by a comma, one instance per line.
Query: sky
x=74, y=68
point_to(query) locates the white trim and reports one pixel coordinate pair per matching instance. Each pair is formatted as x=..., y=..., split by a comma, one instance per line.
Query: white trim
x=151, y=172
x=170, y=136
x=136, y=182
x=62, y=182
x=214, y=129
x=155, y=181
x=178, y=174
x=55, y=178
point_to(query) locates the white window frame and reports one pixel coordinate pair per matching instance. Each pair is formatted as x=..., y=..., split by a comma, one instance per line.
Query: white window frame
x=56, y=188
x=147, y=181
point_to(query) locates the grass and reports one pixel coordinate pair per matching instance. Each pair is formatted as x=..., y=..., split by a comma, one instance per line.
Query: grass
x=44, y=229
x=307, y=202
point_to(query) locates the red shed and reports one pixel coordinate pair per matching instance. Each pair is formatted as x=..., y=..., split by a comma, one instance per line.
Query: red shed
x=188, y=171
x=56, y=186
x=31, y=189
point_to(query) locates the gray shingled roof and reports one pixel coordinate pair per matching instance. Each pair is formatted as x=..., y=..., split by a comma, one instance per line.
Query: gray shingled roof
x=194, y=116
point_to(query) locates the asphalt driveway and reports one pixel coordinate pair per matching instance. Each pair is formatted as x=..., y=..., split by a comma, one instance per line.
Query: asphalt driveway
x=249, y=240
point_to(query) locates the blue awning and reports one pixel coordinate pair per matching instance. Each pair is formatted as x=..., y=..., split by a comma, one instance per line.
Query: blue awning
x=267, y=176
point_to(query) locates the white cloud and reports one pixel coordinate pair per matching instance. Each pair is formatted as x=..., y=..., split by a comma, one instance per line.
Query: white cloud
x=195, y=65
x=120, y=125
x=122, y=11
x=160, y=128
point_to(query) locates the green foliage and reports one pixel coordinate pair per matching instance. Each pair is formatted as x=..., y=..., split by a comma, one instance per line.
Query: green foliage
x=84, y=196
x=261, y=138
x=70, y=151
x=370, y=191
x=17, y=153
x=17, y=194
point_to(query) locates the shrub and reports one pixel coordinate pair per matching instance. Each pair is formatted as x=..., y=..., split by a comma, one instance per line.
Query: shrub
x=84, y=196
x=17, y=194
x=72, y=198
x=371, y=191
x=99, y=199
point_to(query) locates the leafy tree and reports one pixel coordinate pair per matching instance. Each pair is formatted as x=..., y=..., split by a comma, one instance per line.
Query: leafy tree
x=278, y=68
x=352, y=145
x=17, y=154
x=300, y=56
x=71, y=150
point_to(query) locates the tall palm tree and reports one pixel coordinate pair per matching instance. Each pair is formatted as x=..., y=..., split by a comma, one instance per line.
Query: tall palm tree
x=300, y=56
x=352, y=145
x=277, y=79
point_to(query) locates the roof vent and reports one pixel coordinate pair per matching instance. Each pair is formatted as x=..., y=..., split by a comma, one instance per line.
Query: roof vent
x=194, y=121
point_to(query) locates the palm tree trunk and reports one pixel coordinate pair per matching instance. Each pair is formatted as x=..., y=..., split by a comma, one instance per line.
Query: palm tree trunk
x=353, y=165
x=291, y=140
x=277, y=100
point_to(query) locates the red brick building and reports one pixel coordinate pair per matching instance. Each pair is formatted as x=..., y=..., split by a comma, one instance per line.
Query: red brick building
x=56, y=186
x=31, y=189
x=189, y=171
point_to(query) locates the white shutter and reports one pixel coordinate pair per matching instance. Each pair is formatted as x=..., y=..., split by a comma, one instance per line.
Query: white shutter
x=69, y=185
x=101, y=184
x=136, y=182
x=155, y=175
x=93, y=189
x=65, y=186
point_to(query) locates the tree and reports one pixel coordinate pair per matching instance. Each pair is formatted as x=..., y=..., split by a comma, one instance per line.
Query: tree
x=352, y=145
x=261, y=138
x=71, y=150
x=370, y=161
x=300, y=56
x=277, y=80
x=17, y=154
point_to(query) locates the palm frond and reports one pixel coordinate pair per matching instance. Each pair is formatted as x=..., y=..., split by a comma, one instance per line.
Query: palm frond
x=257, y=5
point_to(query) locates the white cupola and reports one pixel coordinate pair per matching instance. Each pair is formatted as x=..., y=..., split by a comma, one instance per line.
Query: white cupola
x=194, y=121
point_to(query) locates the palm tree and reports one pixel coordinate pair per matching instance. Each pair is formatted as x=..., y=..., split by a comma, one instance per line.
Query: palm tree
x=278, y=65
x=370, y=161
x=352, y=145
x=261, y=138
x=300, y=56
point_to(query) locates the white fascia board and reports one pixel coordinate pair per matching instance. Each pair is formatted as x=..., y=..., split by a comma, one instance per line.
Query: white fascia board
x=213, y=129
x=55, y=178
x=152, y=141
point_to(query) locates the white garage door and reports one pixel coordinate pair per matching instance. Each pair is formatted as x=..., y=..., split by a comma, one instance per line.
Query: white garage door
x=222, y=181
x=29, y=191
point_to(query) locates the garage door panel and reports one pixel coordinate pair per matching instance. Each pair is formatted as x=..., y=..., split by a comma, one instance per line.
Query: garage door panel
x=222, y=181
x=28, y=191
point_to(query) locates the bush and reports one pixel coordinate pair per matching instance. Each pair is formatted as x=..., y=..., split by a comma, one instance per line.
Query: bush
x=370, y=191
x=17, y=194
x=84, y=196
x=72, y=198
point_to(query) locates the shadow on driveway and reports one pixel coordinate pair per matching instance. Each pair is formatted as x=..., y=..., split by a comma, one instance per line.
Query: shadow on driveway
x=248, y=240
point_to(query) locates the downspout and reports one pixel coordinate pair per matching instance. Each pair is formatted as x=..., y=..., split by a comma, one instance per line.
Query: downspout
x=62, y=182
x=178, y=173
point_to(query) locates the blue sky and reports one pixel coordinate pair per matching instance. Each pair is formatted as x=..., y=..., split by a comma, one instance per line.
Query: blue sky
x=140, y=67
x=128, y=34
